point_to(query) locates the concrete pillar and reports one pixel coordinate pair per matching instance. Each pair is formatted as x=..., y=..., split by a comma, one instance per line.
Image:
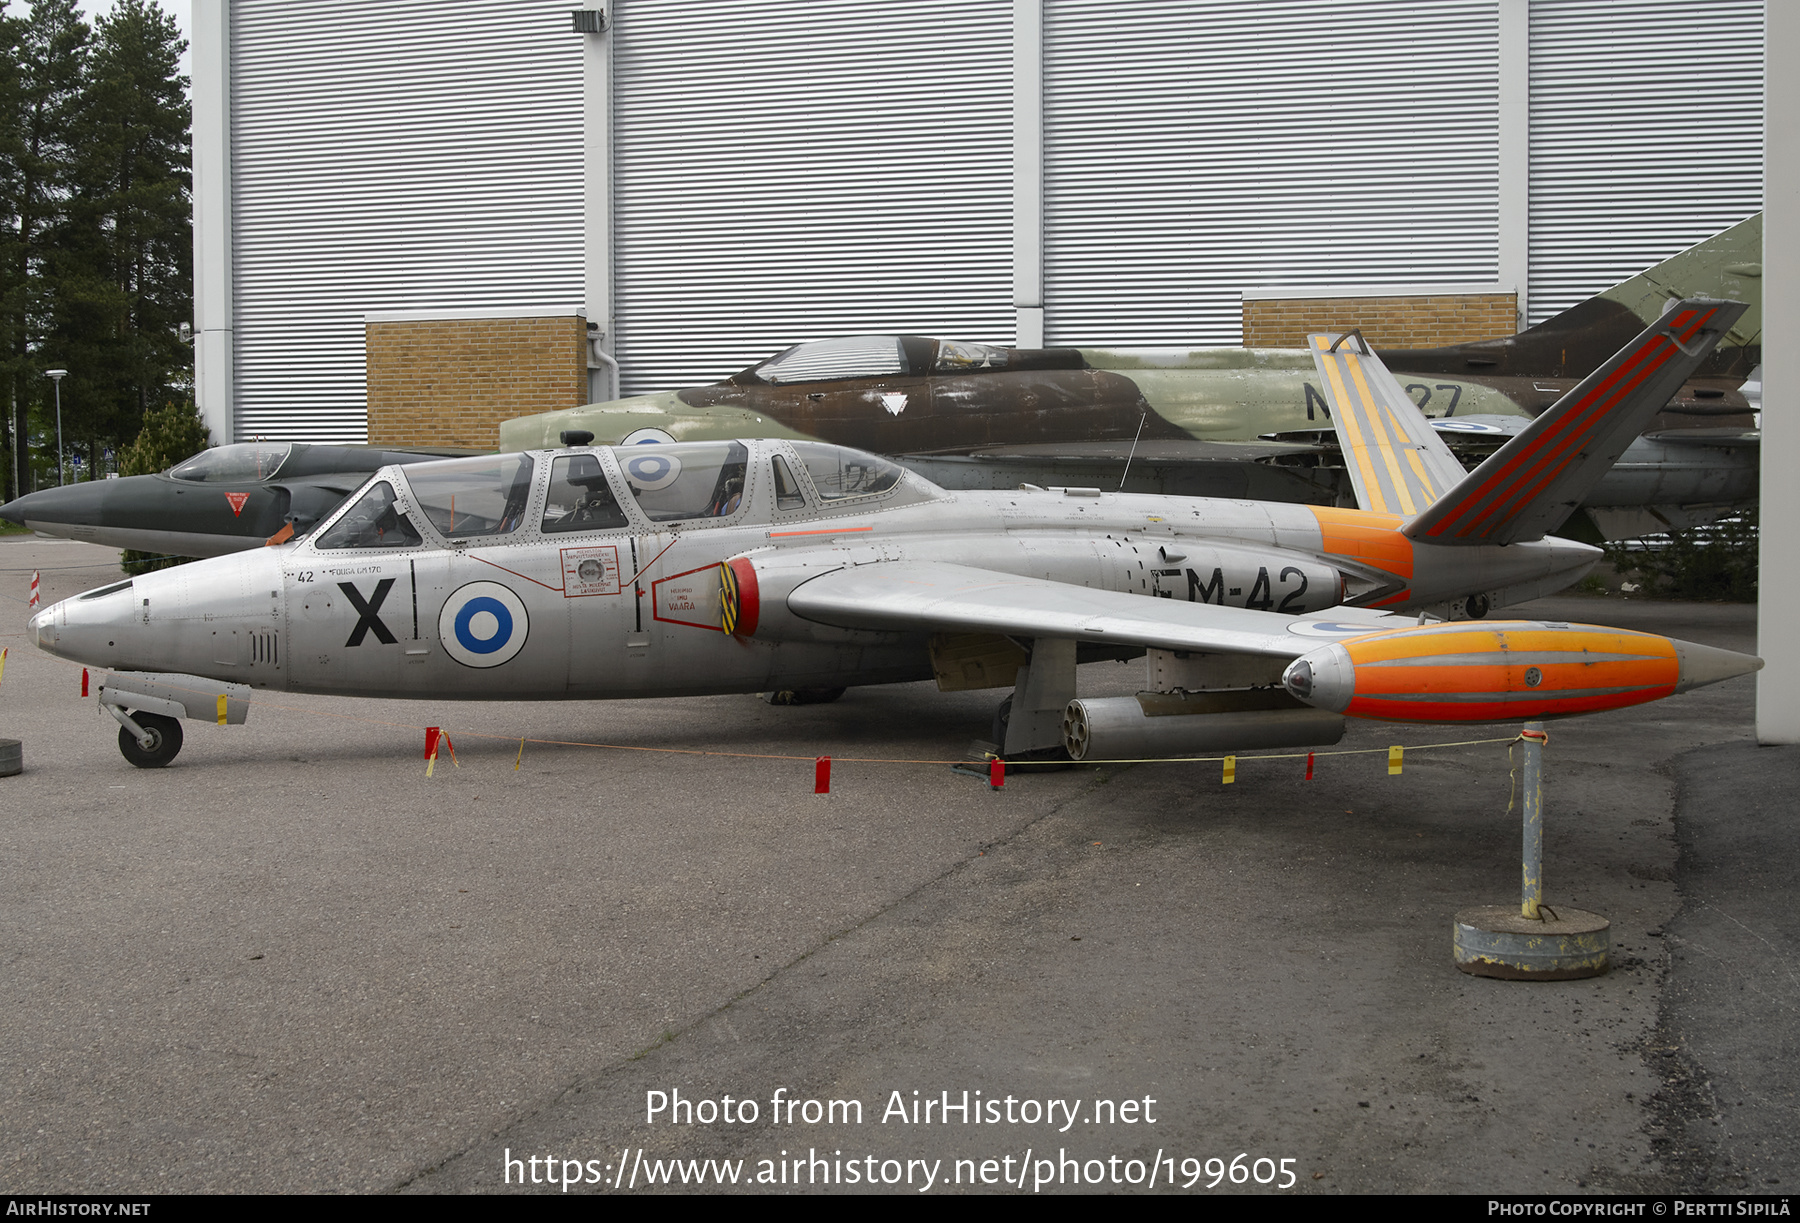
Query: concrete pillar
x=1515, y=151
x=1028, y=172
x=214, y=389
x=1778, y=684
x=597, y=160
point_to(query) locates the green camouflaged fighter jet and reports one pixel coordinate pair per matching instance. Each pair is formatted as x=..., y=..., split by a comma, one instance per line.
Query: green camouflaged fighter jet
x=1221, y=422
x=1228, y=422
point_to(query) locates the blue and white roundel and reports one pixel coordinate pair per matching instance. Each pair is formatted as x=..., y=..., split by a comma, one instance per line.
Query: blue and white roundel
x=1333, y=630
x=483, y=625
x=646, y=437
x=1450, y=425
x=652, y=470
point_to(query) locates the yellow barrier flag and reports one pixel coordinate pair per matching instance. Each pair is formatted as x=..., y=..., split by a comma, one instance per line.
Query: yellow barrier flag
x=1394, y=755
x=1230, y=770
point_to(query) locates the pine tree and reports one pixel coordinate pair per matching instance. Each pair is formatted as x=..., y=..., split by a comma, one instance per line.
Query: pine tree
x=49, y=49
x=170, y=434
x=122, y=276
x=12, y=148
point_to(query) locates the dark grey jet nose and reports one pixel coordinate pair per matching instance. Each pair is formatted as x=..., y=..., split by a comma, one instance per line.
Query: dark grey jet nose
x=82, y=504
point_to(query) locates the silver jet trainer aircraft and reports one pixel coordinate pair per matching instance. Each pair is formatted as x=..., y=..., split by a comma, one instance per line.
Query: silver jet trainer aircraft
x=745, y=566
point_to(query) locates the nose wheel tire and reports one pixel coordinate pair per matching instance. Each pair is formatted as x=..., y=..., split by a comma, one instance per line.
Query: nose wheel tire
x=165, y=741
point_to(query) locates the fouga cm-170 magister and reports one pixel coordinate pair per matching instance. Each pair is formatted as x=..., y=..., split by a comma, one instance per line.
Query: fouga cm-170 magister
x=750, y=566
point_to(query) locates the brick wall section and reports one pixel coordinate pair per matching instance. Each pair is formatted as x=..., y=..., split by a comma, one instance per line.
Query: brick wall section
x=450, y=382
x=1386, y=322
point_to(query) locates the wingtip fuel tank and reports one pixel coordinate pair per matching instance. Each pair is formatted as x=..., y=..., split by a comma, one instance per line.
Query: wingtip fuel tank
x=1503, y=671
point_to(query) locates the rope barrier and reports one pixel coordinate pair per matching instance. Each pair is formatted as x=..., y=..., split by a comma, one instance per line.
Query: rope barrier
x=822, y=764
x=1541, y=737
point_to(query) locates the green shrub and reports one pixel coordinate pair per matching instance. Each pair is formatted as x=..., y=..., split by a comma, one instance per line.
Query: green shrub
x=1710, y=562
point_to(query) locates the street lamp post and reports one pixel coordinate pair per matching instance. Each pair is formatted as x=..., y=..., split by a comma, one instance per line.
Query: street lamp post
x=56, y=376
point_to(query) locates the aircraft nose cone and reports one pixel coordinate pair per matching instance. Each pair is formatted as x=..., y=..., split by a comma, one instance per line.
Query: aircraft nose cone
x=70, y=504
x=42, y=628
x=1705, y=664
x=1323, y=679
x=85, y=628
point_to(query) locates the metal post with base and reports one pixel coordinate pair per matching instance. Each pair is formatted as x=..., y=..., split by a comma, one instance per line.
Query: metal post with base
x=56, y=376
x=1537, y=942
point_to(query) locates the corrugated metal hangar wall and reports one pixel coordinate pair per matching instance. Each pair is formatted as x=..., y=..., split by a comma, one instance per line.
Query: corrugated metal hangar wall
x=1055, y=171
x=381, y=157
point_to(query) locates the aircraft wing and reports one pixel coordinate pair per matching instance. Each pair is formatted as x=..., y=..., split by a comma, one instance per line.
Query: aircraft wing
x=1159, y=450
x=1733, y=438
x=1246, y=471
x=936, y=597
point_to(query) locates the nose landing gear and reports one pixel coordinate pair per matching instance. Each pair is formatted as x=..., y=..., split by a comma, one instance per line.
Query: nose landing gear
x=150, y=734
x=164, y=735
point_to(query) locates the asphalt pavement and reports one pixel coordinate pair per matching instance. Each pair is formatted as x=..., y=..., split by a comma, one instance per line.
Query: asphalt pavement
x=295, y=962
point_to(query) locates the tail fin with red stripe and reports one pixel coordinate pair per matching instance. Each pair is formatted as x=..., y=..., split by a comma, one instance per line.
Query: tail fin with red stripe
x=1530, y=485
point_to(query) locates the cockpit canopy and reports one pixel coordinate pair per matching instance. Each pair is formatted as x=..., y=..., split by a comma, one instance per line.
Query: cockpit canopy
x=492, y=497
x=839, y=472
x=494, y=491
x=891, y=356
x=235, y=464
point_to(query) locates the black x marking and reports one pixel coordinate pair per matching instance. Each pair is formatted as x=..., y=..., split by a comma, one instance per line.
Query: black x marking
x=366, y=611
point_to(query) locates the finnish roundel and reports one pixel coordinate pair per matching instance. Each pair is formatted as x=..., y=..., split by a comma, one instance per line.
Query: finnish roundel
x=1331, y=630
x=483, y=625
x=652, y=470
x=646, y=437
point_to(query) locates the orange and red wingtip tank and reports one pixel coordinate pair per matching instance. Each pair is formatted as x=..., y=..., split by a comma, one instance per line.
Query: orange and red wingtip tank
x=1503, y=671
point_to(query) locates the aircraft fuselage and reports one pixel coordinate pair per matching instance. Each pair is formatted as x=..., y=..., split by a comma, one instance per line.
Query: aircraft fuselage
x=545, y=609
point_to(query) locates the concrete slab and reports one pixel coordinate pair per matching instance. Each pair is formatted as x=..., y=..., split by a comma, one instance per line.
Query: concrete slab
x=293, y=962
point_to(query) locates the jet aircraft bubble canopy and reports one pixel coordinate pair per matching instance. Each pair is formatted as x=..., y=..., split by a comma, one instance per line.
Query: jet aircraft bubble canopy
x=691, y=483
x=234, y=463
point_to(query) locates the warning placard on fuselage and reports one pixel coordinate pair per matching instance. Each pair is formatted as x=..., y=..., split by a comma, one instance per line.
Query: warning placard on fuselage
x=690, y=598
x=590, y=571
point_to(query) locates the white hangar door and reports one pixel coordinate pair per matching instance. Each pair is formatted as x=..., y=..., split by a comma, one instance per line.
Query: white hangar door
x=785, y=172
x=390, y=157
x=1646, y=136
x=1194, y=150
